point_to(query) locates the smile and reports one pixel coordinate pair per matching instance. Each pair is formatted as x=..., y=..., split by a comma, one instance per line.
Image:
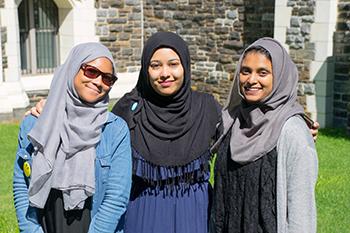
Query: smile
x=252, y=90
x=166, y=83
x=94, y=90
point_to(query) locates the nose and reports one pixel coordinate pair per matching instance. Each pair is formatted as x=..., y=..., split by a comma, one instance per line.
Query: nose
x=97, y=81
x=165, y=72
x=253, y=77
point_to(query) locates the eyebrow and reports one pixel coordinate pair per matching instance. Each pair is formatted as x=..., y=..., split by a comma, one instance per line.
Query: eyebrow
x=259, y=69
x=172, y=59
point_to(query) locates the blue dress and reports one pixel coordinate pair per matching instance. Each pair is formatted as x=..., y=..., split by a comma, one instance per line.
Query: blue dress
x=169, y=199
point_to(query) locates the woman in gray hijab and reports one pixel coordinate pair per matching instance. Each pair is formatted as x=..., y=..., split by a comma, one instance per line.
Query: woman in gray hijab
x=73, y=164
x=266, y=169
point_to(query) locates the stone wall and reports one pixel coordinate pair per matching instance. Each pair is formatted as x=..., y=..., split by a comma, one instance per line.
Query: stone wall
x=214, y=30
x=259, y=19
x=119, y=28
x=342, y=66
x=301, y=50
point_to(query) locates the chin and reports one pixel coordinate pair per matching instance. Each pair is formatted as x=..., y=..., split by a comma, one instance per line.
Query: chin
x=90, y=99
x=251, y=100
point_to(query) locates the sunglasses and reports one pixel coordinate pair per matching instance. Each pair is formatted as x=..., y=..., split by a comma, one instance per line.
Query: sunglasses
x=92, y=73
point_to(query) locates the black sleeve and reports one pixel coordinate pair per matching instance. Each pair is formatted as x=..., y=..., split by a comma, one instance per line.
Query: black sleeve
x=217, y=216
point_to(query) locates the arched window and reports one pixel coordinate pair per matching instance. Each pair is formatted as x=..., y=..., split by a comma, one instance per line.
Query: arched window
x=38, y=24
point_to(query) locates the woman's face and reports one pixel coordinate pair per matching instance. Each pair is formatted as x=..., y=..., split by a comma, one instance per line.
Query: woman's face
x=255, y=78
x=165, y=71
x=92, y=90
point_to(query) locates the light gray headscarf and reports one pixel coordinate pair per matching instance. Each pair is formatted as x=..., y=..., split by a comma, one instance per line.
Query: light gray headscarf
x=66, y=133
x=256, y=128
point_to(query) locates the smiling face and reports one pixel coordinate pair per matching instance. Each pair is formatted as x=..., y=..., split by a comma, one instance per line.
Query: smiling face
x=93, y=90
x=165, y=71
x=255, y=77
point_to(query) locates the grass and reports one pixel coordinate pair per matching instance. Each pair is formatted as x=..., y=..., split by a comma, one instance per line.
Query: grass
x=333, y=186
x=8, y=145
x=332, y=191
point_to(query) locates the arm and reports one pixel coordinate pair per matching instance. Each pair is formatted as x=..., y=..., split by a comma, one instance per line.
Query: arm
x=26, y=215
x=301, y=175
x=116, y=197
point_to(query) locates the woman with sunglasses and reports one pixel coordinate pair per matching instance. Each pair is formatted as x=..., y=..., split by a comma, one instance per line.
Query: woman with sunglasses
x=73, y=164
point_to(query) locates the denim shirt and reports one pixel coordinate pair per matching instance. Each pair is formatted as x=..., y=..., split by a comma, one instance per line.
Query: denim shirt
x=112, y=178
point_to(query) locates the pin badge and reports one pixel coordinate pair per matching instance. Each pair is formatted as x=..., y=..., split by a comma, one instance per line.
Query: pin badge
x=133, y=106
x=26, y=169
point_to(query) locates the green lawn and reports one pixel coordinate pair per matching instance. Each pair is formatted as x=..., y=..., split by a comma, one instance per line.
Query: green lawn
x=333, y=198
x=8, y=145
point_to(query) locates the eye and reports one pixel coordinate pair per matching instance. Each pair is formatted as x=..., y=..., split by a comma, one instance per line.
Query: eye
x=91, y=71
x=263, y=73
x=155, y=65
x=245, y=71
x=174, y=64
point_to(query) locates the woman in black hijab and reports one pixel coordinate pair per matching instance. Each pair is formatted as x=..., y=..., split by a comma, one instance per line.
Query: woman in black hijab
x=171, y=129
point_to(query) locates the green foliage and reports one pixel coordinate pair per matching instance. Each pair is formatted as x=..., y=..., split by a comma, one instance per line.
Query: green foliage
x=332, y=191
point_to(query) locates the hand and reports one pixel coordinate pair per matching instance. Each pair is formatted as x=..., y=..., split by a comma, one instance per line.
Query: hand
x=314, y=130
x=37, y=109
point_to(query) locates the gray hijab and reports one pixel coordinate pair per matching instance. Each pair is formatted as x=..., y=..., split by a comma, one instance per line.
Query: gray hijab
x=65, y=135
x=256, y=128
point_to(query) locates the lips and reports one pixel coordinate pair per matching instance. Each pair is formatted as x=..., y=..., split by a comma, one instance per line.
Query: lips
x=94, y=90
x=166, y=83
x=252, y=90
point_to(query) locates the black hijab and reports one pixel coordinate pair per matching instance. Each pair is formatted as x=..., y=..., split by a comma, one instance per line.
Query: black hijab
x=168, y=130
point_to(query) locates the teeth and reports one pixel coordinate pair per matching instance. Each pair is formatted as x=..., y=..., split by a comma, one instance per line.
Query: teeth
x=252, y=88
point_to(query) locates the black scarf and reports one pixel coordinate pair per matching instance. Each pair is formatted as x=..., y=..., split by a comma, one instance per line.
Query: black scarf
x=168, y=130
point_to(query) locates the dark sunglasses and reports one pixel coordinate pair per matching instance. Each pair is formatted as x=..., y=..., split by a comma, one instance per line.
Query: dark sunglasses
x=92, y=72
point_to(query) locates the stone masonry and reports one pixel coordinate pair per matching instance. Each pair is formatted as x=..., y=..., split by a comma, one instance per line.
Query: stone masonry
x=213, y=31
x=216, y=32
x=259, y=19
x=342, y=66
x=301, y=49
x=119, y=28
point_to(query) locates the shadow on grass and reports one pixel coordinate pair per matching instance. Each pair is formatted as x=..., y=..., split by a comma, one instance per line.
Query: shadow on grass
x=338, y=133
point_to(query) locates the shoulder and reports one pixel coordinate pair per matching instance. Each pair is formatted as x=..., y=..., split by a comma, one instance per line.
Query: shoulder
x=124, y=104
x=295, y=130
x=208, y=99
x=295, y=141
x=204, y=96
x=115, y=124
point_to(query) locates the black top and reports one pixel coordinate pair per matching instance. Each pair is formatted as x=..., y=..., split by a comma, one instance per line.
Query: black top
x=54, y=219
x=244, y=195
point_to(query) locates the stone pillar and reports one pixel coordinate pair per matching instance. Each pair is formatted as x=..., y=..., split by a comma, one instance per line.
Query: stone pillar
x=322, y=66
x=308, y=35
x=12, y=94
x=282, y=21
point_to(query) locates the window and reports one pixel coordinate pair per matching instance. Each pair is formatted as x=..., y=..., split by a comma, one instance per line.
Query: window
x=38, y=26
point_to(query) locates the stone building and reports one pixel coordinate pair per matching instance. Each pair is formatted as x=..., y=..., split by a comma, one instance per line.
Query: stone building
x=37, y=34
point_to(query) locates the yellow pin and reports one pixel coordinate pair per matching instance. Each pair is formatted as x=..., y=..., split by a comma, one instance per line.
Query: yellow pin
x=26, y=169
